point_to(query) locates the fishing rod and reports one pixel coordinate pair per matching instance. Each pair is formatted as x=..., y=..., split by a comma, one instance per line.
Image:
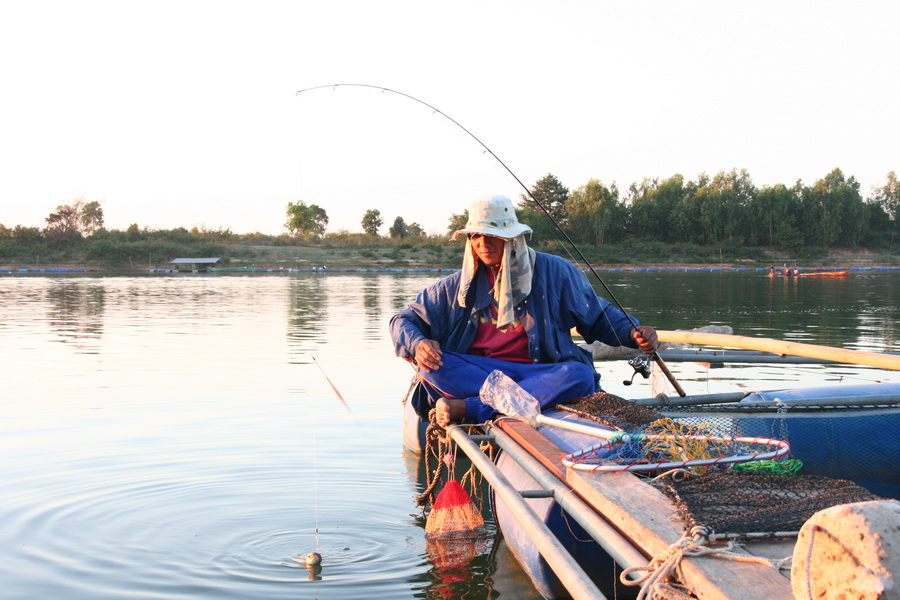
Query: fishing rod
x=654, y=355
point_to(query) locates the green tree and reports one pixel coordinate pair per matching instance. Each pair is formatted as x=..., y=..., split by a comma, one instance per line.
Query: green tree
x=305, y=220
x=415, y=230
x=64, y=224
x=73, y=221
x=457, y=221
x=833, y=211
x=551, y=194
x=26, y=235
x=776, y=211
x=541, y=226
x=399, y=228
x=724, y=210
x=594, y=210
x=652, y=204
x=372, y=221
x=91, y=217
x=888, y=196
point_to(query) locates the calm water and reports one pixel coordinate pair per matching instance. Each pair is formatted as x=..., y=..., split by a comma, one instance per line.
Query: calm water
x=172, y=437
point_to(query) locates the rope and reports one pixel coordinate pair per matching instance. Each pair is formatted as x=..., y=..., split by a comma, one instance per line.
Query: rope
x=659, y=584
x=437, y=444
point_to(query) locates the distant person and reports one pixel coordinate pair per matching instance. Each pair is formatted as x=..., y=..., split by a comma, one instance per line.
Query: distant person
x=509, y=309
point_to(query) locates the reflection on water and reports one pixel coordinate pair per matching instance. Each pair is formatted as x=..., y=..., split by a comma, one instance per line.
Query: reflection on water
x=172, y=436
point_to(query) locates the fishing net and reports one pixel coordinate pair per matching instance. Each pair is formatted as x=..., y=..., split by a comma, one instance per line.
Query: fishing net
x=645, y=440
x=755, y=498
x=612, y=411
x=757, y=504
x=832, y=441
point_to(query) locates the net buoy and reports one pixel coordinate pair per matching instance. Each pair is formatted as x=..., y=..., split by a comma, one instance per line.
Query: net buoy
x=849, y=551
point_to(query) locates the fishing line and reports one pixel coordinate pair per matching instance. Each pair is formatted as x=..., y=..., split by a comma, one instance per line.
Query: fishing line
x=315, y=470
x=315, y=484
x=658, y=359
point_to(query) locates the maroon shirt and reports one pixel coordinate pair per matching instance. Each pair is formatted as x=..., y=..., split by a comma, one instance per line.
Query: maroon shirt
x=509, y=344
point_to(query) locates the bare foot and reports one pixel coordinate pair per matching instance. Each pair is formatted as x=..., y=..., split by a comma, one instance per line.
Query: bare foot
x=449, y=409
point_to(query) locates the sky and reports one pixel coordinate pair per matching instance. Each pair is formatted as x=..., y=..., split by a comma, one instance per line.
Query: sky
x=186, y=113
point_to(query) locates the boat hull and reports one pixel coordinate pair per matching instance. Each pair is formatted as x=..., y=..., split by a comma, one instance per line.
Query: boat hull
x=845, y=443
x=825, y=274
x=595, y=562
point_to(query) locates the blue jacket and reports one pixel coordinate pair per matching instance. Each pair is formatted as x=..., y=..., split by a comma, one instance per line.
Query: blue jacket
x=560, y=299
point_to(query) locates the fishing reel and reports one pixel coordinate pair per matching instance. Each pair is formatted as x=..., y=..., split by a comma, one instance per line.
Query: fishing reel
x=640, y=364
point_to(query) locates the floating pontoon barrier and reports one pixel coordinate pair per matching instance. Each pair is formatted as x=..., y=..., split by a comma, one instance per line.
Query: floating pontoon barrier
x=451, y=270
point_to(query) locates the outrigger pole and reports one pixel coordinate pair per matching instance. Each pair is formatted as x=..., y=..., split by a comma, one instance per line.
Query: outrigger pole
x=880, y=360
x=654, y=356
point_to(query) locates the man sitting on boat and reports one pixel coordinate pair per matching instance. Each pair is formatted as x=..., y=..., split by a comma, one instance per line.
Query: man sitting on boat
x=509, y=309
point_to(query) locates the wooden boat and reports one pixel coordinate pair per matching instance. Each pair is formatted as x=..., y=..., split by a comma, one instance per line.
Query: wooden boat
x=824, y=274
x=610, y=521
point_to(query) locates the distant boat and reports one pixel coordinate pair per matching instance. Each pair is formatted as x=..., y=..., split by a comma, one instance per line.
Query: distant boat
x=824, y=274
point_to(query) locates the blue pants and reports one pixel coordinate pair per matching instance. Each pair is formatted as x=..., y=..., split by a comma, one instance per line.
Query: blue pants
x=462, y=376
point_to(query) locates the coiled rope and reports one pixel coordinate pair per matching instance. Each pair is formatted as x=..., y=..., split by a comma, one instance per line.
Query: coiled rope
x=660, y=583
x=437, y=445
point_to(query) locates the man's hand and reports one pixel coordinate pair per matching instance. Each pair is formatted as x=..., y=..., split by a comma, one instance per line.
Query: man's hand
x=646, y=338
x=428, y=355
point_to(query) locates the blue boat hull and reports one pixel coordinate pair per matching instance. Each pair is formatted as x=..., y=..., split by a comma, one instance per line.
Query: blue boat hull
x=859, y=444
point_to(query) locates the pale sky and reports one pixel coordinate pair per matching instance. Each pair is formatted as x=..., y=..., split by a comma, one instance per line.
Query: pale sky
x=185, y=113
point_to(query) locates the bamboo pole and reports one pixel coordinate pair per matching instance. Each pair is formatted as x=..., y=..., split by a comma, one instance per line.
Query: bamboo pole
x=855, y=357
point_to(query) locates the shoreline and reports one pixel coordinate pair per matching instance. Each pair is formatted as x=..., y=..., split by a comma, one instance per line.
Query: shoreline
x=419, y=260
x=79, y=270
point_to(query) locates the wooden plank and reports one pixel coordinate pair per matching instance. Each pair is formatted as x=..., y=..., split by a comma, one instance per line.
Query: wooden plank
x=647, y=517
x=533, y=442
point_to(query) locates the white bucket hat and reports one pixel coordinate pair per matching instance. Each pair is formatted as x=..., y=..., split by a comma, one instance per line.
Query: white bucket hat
x=495, y=216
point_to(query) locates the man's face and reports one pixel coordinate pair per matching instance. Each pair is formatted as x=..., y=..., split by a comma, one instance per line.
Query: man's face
x=487, y=248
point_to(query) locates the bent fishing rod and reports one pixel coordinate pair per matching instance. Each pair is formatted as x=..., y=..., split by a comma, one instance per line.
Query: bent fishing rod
x=655, y=355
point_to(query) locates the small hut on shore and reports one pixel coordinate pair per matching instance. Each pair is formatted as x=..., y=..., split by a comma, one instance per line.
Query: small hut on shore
x=200, y=265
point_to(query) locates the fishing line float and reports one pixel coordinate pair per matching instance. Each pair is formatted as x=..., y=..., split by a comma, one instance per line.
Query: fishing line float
x=337, y=393
x=655, y=355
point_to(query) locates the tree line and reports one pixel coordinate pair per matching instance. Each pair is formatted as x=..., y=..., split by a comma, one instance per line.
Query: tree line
x=724, y=210
x=311, y=220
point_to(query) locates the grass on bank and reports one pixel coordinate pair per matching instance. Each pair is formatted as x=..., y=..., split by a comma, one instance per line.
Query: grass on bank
x=112, y=253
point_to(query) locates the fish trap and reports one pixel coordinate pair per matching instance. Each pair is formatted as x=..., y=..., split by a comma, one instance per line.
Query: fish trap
x=735, y=503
